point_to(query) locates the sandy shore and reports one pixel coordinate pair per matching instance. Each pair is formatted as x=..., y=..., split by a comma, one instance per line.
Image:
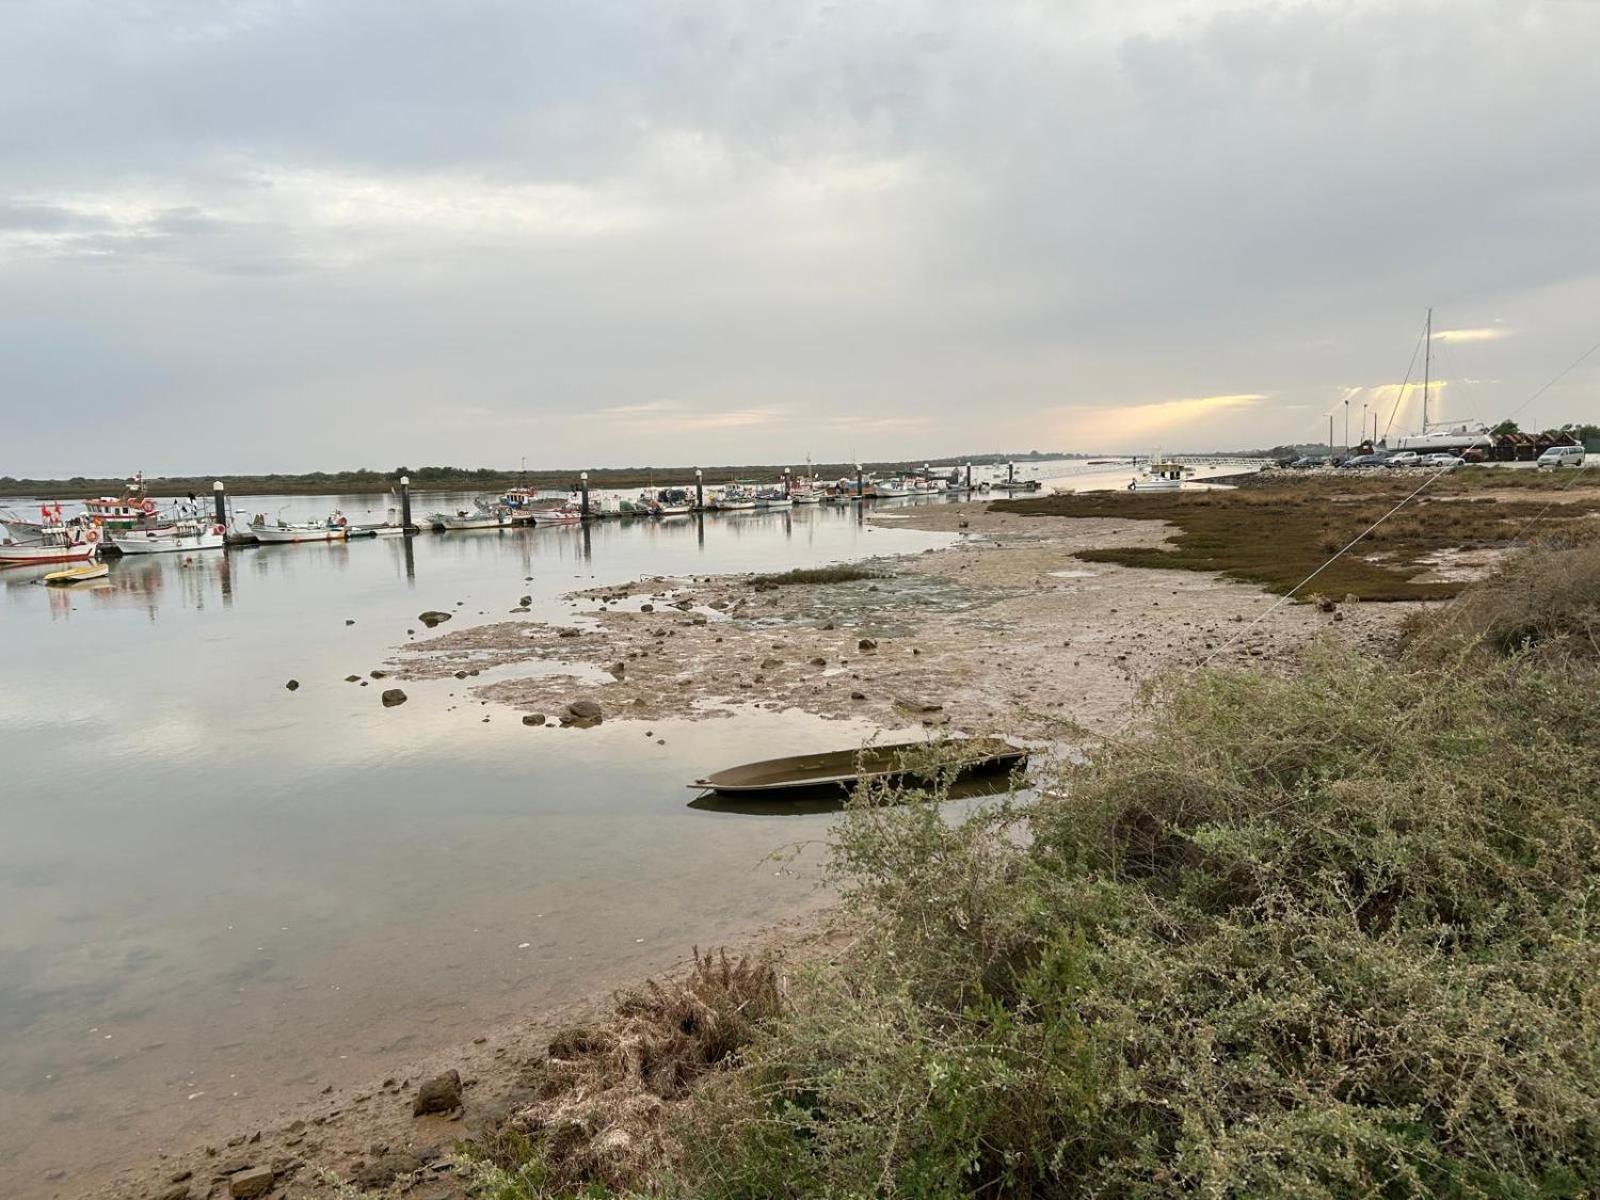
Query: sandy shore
x=1004, y=630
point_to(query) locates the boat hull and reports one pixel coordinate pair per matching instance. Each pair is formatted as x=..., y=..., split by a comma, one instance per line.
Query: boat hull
x=17, y=555
x=841, y=770
x=285, y=534
x=72, y=575
x=168, y=542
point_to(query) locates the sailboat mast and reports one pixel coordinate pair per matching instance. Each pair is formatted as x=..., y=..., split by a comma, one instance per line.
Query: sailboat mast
x=1427, y=368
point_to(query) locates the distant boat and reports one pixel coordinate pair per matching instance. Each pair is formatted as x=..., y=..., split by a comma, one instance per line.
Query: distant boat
x=481, y=516
x=1470, y=435
x=1160, y=475
x=70, y=575
x=903, y=762
x=567, y=514
x=734, y=497
x=773, y=498
x=668, y=502
x=122, y=512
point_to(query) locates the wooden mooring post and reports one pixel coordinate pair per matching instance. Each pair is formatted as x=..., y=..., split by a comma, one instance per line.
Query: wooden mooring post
x=583, y=483
x=406, y=527
x=219, y=495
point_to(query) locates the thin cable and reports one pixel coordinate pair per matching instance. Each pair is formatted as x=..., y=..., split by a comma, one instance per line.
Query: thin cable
x=1400, y=397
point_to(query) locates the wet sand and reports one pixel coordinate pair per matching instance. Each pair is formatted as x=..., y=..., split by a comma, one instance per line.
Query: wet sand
x=1004, y=631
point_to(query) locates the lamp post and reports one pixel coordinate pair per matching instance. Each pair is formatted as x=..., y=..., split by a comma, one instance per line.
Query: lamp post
x=1347, y=426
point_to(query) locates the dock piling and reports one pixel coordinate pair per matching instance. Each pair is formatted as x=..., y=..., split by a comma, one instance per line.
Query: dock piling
x=583, y=482
x=969, y=477
x=219, y=495
x=860, y=491
x=699, y=490
x=1011, y=476
x=405, y=505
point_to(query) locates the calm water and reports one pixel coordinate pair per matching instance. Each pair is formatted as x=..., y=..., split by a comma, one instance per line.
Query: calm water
x=216, y=892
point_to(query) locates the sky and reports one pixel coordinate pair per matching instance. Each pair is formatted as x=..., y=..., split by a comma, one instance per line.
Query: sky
x=293, y=235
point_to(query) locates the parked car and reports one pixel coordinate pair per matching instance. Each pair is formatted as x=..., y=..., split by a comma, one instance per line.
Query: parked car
x=1403, y=458
x=1560, y=456
x=1365, y=460
x=1440, y=459
x=1306, y=461
x=1475, y=455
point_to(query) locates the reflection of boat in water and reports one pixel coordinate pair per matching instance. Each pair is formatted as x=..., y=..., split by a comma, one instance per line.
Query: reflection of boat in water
x=68, y=576
x=903, y=762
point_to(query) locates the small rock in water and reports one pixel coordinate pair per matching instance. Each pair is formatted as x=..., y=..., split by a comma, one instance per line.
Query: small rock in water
x=533, y=719
x=438, y=1095
x=771, y=664
x=392, y=697
x=819, y=661
x=352, y=678
x=349, y=621
x=293, y=685
x=647, y=608
x=433, y=617
x=379, y=674
x=858, y=695
x=867, y=644
x=526, y=601
x=582, y=712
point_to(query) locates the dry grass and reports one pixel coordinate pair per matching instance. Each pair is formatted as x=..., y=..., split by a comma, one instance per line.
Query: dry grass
x=606, y=1092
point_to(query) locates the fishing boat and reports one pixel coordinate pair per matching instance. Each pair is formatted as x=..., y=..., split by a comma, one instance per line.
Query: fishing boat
x=167, y=539
x=773, y=498
x=834, y=770
x=482, y=515
x=806, y=496
x=331, y=530
x=133, y=507
x=888, y=489
x=668, y=502
x=1161, y=475
x=67, y=545
x=70, y=575
x=735, y=497
x=566, y=514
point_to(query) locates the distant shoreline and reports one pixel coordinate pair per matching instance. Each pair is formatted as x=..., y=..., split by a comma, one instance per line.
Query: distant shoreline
x=433, y=479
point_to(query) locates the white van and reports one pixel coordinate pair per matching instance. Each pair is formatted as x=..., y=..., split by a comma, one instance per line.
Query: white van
x=1561, y=456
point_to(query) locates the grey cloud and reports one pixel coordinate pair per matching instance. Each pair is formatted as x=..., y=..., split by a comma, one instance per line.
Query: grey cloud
x=1057, y=205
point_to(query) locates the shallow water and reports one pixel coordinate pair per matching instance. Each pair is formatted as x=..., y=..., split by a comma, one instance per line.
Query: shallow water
x=217, y=892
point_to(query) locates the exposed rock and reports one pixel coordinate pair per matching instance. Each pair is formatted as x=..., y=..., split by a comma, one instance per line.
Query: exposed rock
x=647, y=608
x=293, y=685
x=380, y=1174
x=526, y=602
x=352, y=678
x=819, y=661
x=349, y=621
x=393, y=696
x=176, y=1192
x=252, y=1181
x=582, y=712
x=533, y=719
x=433, y=617
x=858, y=695
x=570, y=633
x=440, y=1094
x=771, y=664
x=867, y=644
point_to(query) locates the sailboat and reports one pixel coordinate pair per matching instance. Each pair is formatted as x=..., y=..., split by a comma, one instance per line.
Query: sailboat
x=1463, y=436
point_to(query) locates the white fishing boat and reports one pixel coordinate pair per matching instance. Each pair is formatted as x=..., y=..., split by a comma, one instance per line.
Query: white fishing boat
x=279, y=531
x=72, y=545
x=567, y=514
x=1161, y=475
x=668, y=502
x=70, y=575
x=807, y=496
x=888, y=489
x=733, y=498
x=773, y=498
x=482, y=515
x=132, y=508
x=170, y=539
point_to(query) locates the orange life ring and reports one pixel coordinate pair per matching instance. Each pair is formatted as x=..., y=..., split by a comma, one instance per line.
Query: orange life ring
x=92, y=536
x=149, y=506
x=219, y=529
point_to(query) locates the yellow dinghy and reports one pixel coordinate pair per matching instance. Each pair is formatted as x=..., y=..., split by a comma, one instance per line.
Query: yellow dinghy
x=94, y=570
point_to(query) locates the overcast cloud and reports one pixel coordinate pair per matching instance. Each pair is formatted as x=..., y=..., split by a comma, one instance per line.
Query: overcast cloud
x=314, y=234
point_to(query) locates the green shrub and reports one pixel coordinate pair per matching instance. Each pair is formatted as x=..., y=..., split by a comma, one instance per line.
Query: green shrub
x=1327, y=936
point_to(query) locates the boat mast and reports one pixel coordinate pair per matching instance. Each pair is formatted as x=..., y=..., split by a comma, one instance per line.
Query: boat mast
x=1427, y=365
